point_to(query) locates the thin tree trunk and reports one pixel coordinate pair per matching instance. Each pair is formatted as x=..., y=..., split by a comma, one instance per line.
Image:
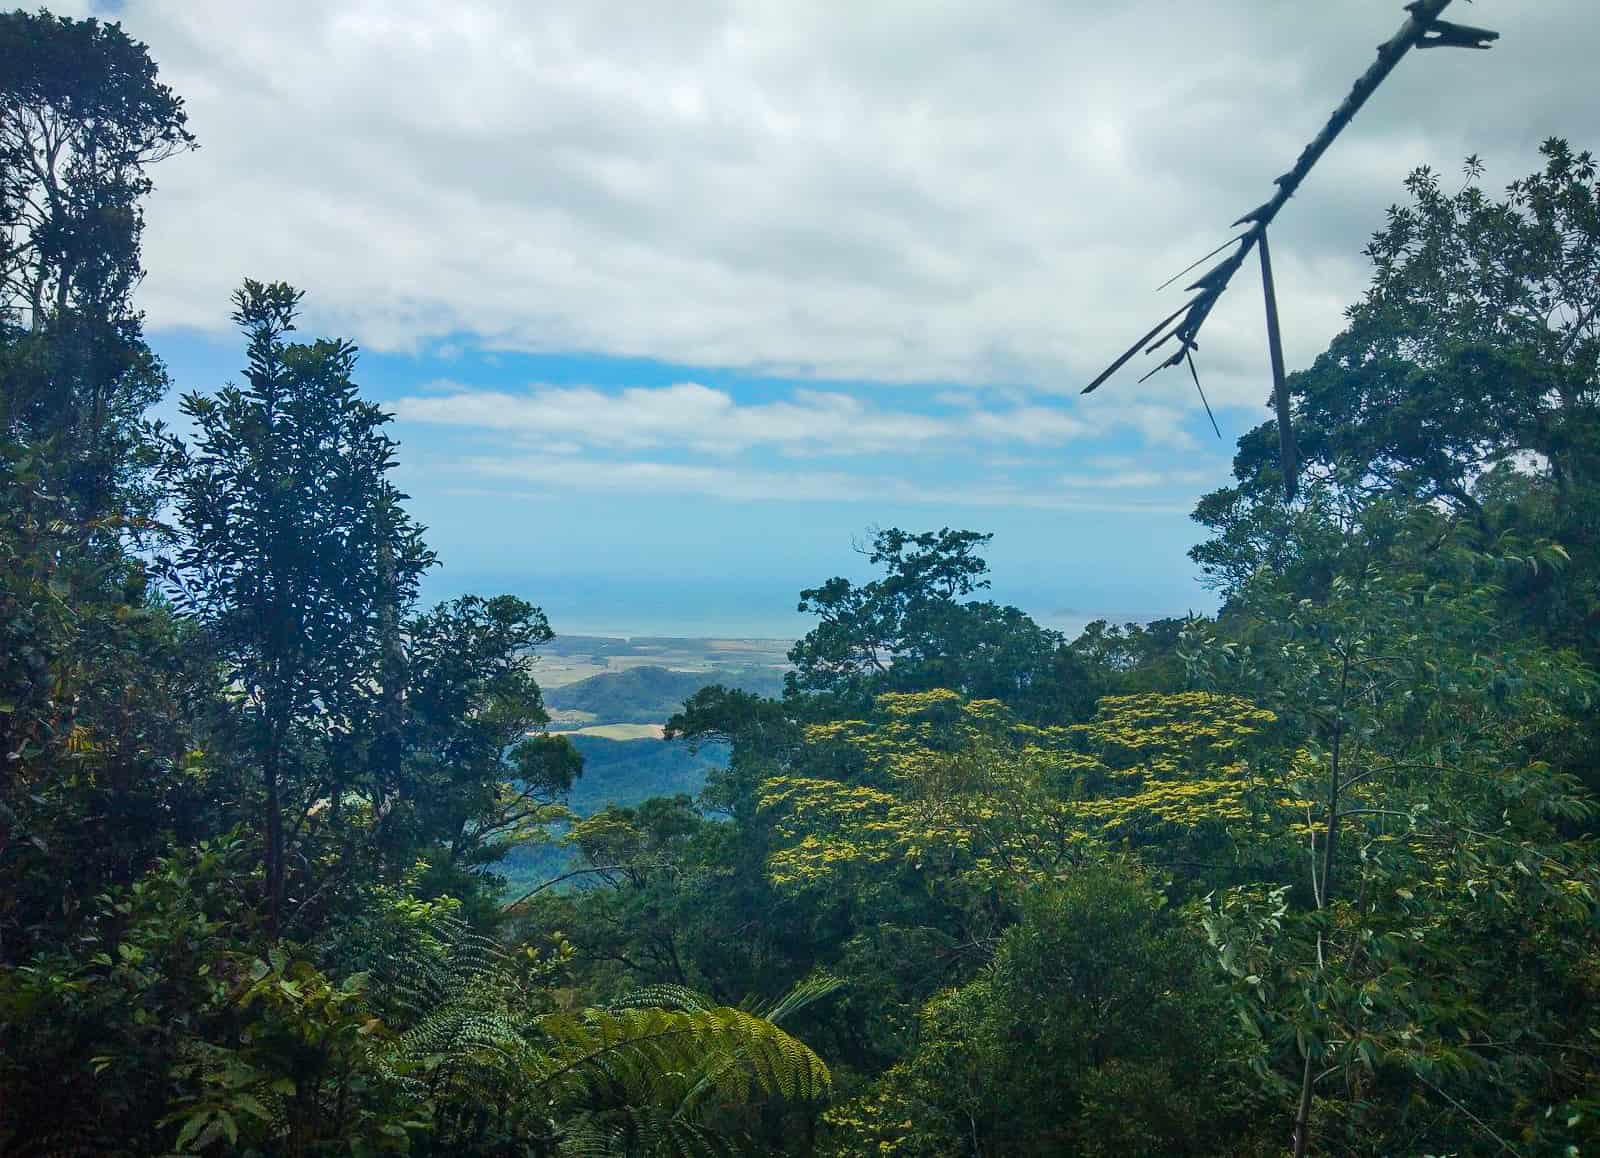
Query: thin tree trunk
x=1302, y=1118
x=274, y=849
x=388, y=749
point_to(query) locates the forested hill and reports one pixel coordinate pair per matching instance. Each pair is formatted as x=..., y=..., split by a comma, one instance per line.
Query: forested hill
x=650, y=694
x=629, y=771
x=617, y=774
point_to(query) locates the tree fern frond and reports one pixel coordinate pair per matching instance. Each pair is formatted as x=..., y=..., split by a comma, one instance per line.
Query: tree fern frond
x=640, y=1130
x=641, y=1077
x=664, y=1054
x=419, y=962
x=664, y=996
x=720, y=1071
x=806, y=991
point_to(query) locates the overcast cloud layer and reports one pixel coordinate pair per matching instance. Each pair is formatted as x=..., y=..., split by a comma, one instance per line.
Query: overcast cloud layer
x=976, y=193
x=869, y=251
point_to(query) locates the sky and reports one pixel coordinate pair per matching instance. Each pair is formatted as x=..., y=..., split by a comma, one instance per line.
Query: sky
x=673, y=302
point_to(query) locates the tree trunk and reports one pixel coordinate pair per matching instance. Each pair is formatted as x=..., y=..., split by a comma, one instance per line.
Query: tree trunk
x=274, y=848
x=1302, y=1117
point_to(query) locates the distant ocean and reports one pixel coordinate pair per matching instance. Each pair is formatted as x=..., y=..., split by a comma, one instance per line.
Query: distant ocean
x=720, y=606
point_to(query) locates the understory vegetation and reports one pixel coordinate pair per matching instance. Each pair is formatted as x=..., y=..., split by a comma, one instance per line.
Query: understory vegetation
x=1316, y=874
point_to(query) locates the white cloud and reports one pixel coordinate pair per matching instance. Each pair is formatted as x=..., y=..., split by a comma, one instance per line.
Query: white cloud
x=971, y=193
x=701, y=419
x=1135, y=479
x=755, y=484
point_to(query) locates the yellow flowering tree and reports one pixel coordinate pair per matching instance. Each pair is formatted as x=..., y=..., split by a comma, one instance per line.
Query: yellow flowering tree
x=963, y=789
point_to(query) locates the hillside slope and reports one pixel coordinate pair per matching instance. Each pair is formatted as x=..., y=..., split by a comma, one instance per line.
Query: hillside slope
x=649, y=694
x=621, y=772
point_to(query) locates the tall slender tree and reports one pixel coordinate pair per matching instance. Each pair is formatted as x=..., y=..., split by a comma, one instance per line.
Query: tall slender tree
x=82, y=120
x=296, y=554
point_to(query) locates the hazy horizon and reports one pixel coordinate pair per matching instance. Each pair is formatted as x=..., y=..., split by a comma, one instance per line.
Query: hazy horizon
x=706, y=608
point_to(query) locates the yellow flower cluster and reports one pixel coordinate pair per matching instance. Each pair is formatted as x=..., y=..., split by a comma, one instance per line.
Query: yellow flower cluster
x=977, y=793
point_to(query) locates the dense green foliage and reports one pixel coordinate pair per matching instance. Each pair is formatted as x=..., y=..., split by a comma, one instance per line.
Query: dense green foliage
x=909, y=631
x=1317, y=875
x=251, y=793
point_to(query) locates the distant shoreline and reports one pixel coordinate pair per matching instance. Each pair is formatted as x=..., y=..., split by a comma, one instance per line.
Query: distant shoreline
x=645, y=638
